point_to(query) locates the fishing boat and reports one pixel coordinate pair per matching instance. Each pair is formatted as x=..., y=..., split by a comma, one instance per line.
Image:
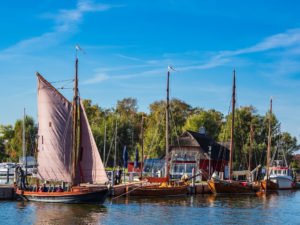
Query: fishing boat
x=156, y=186
x=282, y=176
x=218, y=186
x=67, y=151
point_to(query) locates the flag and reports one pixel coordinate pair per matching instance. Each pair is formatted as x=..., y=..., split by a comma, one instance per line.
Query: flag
x=125, y=156
x=78, y=48
x=144, y=116
x=136, y=159
x=171, y=68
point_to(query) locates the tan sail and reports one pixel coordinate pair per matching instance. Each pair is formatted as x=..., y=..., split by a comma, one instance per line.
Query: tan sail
x=54, y=134
x=91, y=169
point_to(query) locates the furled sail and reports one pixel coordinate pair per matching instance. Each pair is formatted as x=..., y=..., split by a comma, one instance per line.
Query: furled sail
x=54, y=134
x=89, y=162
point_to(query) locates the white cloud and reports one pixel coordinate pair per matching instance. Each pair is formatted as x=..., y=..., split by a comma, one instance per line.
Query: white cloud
x=128, y=57
x=98, y=78
x=288, y=39
x=214, y=62
x=66, y=24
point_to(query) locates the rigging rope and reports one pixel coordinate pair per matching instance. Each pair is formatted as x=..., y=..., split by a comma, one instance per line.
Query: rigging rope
x=156, y=131
x=111, y=143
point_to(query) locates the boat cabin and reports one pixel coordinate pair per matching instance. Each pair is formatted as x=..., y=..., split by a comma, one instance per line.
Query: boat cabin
x=280, y=169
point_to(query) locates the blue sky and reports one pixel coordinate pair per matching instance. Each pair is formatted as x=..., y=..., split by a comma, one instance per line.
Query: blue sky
x=129, y=45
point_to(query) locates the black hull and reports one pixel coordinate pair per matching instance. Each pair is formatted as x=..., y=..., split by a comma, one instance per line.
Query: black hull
x=82, y=198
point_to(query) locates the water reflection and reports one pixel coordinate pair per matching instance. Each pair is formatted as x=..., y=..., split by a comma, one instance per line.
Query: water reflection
x=45, y=213
x=155, y=201
x=275, y=208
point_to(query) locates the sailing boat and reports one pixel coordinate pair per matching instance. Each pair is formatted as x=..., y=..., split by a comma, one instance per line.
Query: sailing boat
x=218, y=186
x=268, y=184
x=67, y=151
x=157, y=186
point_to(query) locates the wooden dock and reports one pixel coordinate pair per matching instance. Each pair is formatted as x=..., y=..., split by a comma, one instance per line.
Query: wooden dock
x=7, y=192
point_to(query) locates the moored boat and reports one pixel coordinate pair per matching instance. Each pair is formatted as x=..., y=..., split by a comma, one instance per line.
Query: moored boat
x=282, y=176
x=218, y=186
x=160, y=190
x=160, y=187
x=67, y=152
x=231, y=187
x=269, y=185
x=76, y=195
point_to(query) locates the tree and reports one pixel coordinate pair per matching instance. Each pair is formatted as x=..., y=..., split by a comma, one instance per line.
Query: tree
x=211, y=120
x=13, y=137
x=289, y=145
x=128, y=128
x=244, y=116
x=154, y=140
x=3, y=154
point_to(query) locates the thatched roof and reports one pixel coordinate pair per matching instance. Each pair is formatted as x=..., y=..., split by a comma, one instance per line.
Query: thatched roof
x=194, y=139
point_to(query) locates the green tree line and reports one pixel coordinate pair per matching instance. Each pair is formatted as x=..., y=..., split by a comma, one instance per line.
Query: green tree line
x=126, y=118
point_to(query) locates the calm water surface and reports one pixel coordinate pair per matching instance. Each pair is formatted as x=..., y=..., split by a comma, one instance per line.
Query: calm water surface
x=281, y=208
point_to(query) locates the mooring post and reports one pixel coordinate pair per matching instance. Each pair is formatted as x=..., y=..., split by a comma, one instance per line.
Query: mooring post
x=7, y=176
x=193, y=180
x=113, y=177
x=124, y=176
x=15, y=176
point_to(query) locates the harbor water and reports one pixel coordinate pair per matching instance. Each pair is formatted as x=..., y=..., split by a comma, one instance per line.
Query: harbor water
x=278, y=208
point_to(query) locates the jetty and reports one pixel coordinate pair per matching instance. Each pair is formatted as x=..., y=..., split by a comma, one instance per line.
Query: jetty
x=7, y=192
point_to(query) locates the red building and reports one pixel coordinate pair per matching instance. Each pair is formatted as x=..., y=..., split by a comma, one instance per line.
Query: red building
x=197, y=150
x=132, y=169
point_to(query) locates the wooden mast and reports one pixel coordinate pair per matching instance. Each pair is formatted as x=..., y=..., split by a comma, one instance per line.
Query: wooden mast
x=104, y=147
x=142, y=159
x=167, y=127
x=23, y=143
x=250, y=148
x=232, y=127
x=116, y=133
x=269, y=144
x=75, y=117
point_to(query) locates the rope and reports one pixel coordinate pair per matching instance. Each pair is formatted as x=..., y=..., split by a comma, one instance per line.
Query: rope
x=60, y=81
x=172, y=119
x=128, y=191
x=111, y=143
x=224, y=134
x=155, y=134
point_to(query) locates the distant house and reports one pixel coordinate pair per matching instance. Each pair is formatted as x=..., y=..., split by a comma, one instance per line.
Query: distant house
x=30, y=160
x=132, y=169
x=191, y=150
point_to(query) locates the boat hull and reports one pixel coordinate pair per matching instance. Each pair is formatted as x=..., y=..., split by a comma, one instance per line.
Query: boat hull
x=270, y=185
x=157, y=191
x=78, y=197
x=224, y=187
x=284, y=182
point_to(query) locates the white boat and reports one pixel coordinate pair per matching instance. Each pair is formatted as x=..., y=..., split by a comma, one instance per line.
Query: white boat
x=282, y=175
x=7, y=166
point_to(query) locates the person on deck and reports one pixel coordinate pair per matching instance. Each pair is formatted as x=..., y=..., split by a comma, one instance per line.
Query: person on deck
x=22, y=177
x=44, y=188
x=59, y=189
x=118, y=175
